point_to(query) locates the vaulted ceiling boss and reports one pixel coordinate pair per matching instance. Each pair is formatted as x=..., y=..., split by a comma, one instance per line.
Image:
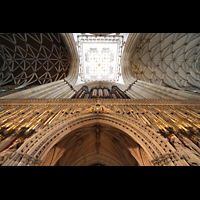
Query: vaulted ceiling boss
x=99, y=99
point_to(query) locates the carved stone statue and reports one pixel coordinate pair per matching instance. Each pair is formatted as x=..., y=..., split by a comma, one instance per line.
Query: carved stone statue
x=191, y=157
x=7, y=153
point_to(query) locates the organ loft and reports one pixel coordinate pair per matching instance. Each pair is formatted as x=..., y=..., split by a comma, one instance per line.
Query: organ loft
x=99, y=99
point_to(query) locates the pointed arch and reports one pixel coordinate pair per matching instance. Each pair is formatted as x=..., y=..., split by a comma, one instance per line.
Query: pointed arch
x=38, y=146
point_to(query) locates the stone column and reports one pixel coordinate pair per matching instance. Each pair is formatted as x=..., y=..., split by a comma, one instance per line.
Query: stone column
x=56, y=92
x=144, y=92
x=154, y=91
x=48, y=91
x=172, y=92
x=133, y=94
x=69, y=94
x=139, y=93
x=33, y=92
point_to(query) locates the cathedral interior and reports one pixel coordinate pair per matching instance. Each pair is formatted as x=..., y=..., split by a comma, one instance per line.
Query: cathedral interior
x=99, y=99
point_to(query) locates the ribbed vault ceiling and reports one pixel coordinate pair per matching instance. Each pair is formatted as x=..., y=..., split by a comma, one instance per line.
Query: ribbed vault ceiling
x=87, y=146
x=32, y=58
x=167, y=59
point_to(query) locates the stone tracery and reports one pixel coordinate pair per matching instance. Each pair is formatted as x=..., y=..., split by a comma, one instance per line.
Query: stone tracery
x=136, y=121
x=139, y=123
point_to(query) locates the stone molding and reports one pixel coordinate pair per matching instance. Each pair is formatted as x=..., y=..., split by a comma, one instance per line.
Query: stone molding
x=104, y=101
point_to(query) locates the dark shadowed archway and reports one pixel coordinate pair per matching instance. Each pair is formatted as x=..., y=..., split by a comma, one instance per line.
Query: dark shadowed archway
x=96, y=144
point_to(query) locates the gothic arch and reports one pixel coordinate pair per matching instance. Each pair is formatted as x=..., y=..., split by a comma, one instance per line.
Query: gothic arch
x=86, y=147
x=33, y=151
